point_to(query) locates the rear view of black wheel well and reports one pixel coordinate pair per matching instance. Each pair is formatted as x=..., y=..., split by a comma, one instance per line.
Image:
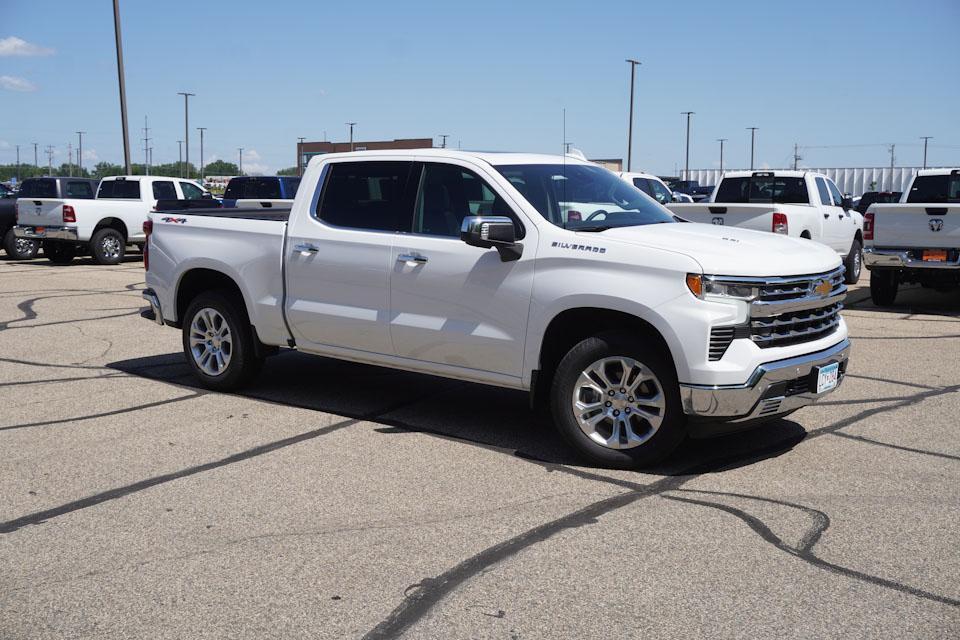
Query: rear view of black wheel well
x=196, y=281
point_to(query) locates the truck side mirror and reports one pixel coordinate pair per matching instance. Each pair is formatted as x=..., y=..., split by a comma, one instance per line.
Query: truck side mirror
x=495, y=232
x=847, y=203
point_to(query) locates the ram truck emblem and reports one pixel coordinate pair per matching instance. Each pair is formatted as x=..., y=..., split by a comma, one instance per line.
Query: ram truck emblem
x=718, y=220
x=822, y=288
x=936, y=224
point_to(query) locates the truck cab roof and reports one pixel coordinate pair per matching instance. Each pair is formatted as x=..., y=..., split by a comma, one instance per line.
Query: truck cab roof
x=493, y=158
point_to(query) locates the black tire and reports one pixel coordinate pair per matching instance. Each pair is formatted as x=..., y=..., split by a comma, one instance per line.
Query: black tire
x=665, y=439
x=242, y=364
x=20, y=248
x=59, y=252
x=853, y=262
x=108, y=246
x=883, y=286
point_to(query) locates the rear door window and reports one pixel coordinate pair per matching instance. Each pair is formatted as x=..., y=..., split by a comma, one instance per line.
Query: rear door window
x=78, y=189
x=38, y=188
x=191, y=191
x=164, y=190
x=367, y=195
x=125, y=189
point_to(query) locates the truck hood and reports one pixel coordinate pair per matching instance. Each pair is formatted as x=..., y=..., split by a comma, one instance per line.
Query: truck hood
x=730, y=251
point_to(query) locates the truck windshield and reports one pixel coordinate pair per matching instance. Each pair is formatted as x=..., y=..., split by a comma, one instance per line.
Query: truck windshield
x=945, y=188
x=584, y=197
x=742, y=190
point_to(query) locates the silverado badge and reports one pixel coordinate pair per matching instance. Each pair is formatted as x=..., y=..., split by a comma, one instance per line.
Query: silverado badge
x=822, y=288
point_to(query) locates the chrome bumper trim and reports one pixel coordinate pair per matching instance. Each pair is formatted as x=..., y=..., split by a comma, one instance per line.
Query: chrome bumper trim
x=49, y=233
x=151, y=297
x=751, y=400
x=900, y=258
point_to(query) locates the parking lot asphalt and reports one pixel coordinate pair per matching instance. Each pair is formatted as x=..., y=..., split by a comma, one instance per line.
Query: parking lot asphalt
x=338, y=500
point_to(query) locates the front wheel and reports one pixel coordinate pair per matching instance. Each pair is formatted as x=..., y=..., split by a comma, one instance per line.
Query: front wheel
x=108, y=246
x=218, y=341
x=853, y=262
x=20, y=248
x=883, y=286
x=616, y=400
x=59, y=252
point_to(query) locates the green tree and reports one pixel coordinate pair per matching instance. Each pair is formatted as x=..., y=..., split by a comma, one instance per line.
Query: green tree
x=290, y=171
x=221, y=168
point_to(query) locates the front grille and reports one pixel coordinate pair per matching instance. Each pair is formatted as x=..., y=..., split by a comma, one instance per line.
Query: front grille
x=795, y=327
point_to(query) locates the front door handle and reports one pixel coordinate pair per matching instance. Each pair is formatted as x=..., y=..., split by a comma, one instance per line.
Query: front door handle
x=412, y=259
x=306, y=247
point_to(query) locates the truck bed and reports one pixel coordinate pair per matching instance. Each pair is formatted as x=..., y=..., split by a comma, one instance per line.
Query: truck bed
x=247, y=213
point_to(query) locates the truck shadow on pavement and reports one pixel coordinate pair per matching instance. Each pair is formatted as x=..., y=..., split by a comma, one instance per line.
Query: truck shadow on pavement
x=911, y=300
x=402, y=402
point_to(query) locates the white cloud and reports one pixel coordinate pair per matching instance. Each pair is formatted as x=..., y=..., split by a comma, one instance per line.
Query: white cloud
x=91, y=155
x=12, y=83
x=4, y=144
x=14, y=46
x=252, y=164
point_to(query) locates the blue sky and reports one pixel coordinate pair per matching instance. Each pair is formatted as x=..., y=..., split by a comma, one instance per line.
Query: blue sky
x=842, y=79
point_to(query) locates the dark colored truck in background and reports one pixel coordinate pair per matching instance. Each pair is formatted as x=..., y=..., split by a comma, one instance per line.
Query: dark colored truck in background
x=50, y=187
x=260, y=191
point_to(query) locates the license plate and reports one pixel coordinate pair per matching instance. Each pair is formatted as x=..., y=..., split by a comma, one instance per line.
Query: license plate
x=827, y=377
x=40, y=230
x=934, y=255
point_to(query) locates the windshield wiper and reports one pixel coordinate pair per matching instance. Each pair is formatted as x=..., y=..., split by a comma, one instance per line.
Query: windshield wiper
x=593, y=228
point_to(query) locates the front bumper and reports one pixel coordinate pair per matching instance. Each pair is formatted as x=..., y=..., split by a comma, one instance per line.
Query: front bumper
x=155, y=311
x=68, y=234
x=902, y=259
x=773, y=389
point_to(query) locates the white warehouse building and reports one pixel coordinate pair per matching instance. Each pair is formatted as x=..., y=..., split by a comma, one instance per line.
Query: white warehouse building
x=854, y=181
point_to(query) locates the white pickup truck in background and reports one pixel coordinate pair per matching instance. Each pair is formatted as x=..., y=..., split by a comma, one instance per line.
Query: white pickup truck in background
x=104, y=225
x=653, y=187
x=800, y=204
x=630, y=328
x=916, y=240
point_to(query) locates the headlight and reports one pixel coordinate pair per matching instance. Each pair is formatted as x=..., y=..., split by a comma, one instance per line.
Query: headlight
x=706, y=287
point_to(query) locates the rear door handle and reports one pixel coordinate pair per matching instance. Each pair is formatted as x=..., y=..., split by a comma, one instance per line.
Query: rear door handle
x=306, y=247
x=412, y=259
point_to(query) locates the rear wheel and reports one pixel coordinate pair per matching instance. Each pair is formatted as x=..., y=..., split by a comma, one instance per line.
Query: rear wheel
x=20, y=248
x=59, y=252
x=108, y=246
x=853, y=262
x=616, y=400
x=218, y=341
x=883, y=286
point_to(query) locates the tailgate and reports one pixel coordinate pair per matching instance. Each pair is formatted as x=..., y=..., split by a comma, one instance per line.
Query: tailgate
x=918, y=226
x=266, y=203
x=40, y=212
x=746, y=216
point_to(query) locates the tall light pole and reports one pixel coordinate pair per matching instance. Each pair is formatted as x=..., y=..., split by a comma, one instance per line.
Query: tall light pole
x=186, y=127
x=925, y=140
x=36, y=160
x=80, y=152
x=721, y=141
x=893, y=156
x=123, y=88
x=240, y=155
x=18, y=163
x=444, y=136
x=49, y=160
x=633, y=70
x=180, y=164
x=202, y=172
x=688, y=114
x=350, y=124
x=753, y=139
x=300, y=155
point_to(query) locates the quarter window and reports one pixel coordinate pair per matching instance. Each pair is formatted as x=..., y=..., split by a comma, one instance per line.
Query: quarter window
x=448, y=194
x=366, y=195
x=164, y=191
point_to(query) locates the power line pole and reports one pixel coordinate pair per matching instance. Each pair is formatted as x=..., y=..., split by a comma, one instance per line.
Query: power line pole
x=202, y=172
x=796, y=155
x=186, y=129
x=80, y=151
x=721, y=141
x=925, y=140
x=350, y=124
x=688, y=114
x=36, y=161
x=70, y=159
x=753, y=146
x=123, y=89
x=240, y=153
x=633, y=72
x=893, y=148
x=300, y=155
x=180, y=163
x=18, y=163
x=49, y=160
x=443, y=144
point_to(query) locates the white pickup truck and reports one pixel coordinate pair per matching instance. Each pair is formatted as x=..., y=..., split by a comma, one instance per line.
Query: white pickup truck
x=631, y=328
x=104, y=225
x=653, y=187
x=916, y=240
x=800, y=204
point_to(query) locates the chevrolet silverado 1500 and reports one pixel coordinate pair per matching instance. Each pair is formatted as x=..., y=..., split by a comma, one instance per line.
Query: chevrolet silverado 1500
x=630, y=327
x=793, y=203
x=917, y=239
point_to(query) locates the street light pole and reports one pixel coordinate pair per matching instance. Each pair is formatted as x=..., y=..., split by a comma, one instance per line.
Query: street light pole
x=240, y=154
x=688, y=114
x=202, y=172
x=300, y=155
x=18, y=163
x=633, y=70
x=186, y=126
x=350, y=124
x=180, y=164
x=123, y=89
x=753, y=137
x=925, y=140
x=443, y=144
x=721, y=141
x=80, y=152
x=36, y=159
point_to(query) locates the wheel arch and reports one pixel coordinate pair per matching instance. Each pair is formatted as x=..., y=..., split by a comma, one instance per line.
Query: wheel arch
x=195, y=281
x=113, y=223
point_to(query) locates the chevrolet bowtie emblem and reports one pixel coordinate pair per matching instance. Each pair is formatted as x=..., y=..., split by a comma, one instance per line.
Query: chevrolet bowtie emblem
x=822, y=288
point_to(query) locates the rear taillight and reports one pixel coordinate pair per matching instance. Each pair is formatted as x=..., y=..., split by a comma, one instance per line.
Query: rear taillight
x=69, y=215
x=147, y=230
x=779, y=223
x=868, y=226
